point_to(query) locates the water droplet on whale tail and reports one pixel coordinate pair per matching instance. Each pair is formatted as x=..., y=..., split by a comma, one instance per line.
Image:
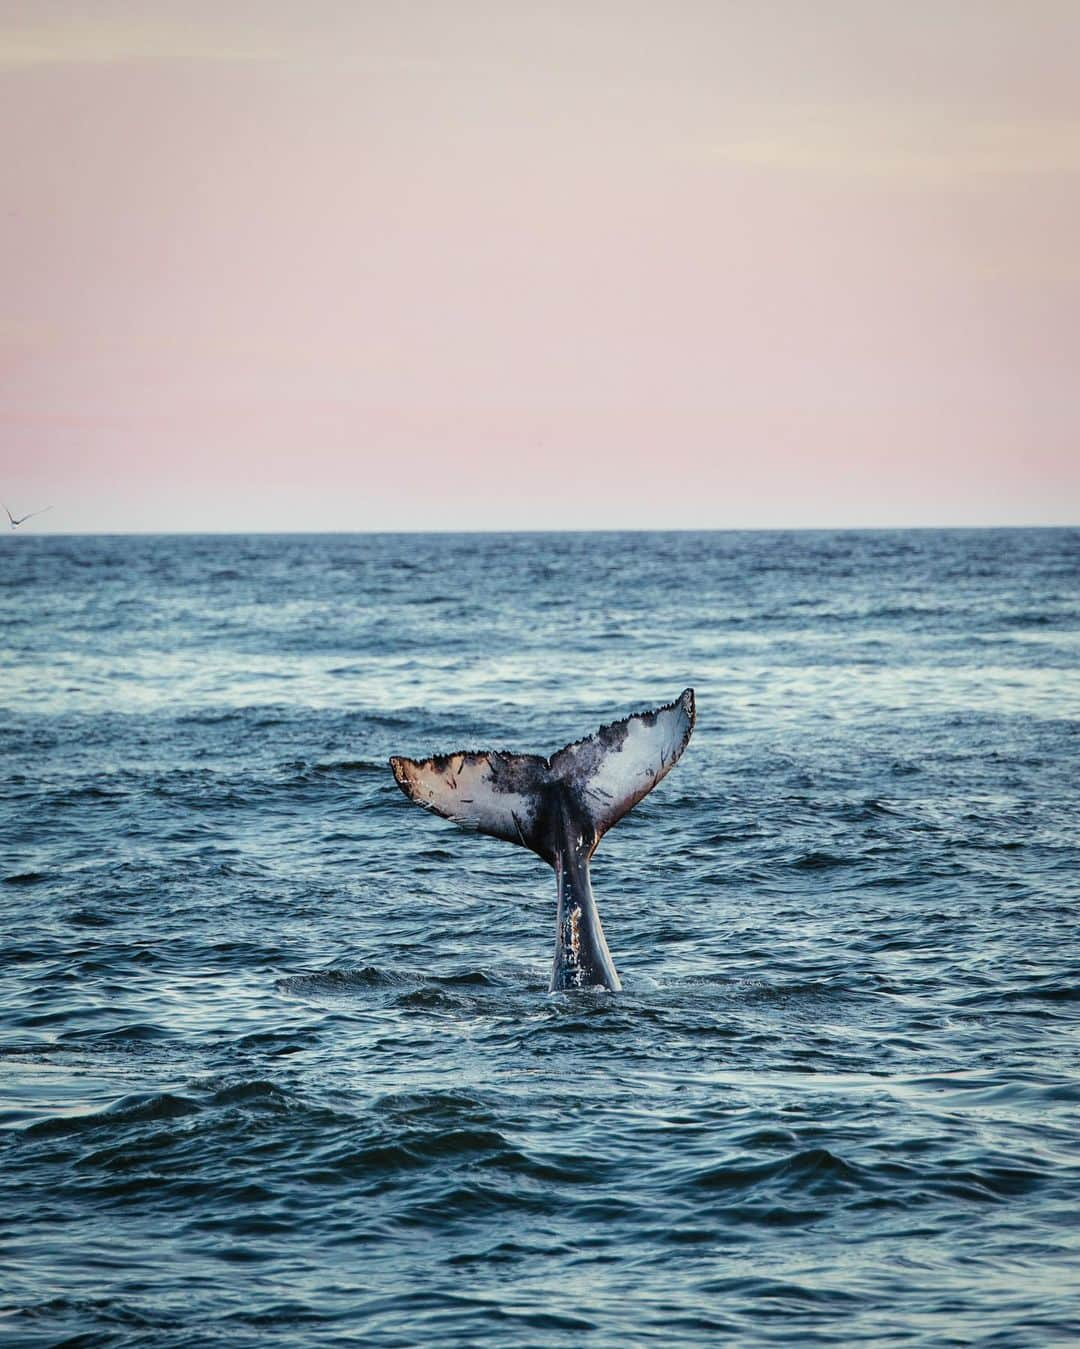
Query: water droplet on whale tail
x=510, y=796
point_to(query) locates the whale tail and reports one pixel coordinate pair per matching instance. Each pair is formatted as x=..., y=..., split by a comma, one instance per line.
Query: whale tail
x=517, y=796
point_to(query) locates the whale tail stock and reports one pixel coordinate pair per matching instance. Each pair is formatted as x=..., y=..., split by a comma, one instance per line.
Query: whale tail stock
x=582, y=790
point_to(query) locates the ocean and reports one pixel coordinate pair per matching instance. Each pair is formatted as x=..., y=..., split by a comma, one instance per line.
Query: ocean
x=278, y=1060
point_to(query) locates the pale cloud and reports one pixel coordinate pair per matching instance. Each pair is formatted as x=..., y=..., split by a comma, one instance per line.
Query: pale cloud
x=909, y=148
x=23, y=333
x=79, y=42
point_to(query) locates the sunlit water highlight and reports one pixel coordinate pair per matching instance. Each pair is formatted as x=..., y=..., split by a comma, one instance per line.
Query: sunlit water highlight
x=277, y=1055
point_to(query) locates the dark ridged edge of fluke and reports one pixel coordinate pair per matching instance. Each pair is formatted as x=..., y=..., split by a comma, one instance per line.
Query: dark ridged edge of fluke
x=607, y=733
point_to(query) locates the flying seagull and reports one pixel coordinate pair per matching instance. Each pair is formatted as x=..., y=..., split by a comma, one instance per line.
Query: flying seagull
x=22, y=519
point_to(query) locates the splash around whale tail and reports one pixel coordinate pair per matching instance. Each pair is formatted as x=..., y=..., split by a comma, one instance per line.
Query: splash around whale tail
x=593, y=782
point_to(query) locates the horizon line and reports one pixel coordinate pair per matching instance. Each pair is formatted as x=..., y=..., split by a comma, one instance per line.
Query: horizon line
x=603, y=529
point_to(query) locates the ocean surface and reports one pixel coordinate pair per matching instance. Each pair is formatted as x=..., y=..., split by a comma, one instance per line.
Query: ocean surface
x=278, y=1061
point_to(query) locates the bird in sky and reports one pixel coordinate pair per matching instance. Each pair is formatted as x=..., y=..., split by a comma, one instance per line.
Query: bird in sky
x=22, y=519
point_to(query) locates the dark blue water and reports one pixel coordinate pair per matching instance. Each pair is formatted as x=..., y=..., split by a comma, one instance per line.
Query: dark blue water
x=278, y=1060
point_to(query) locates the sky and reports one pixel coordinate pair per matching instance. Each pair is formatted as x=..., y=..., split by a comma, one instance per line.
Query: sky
x=486, y=264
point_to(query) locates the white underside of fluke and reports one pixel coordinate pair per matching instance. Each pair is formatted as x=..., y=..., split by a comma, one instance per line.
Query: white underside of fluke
x=470, y=790
x=506, y=794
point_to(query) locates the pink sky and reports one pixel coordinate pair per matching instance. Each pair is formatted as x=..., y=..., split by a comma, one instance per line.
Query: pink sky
x=507, y=265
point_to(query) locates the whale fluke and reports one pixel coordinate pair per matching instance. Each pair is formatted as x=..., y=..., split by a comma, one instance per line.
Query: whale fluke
x=494, y=793
x=560, y=808
x=620, y=764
